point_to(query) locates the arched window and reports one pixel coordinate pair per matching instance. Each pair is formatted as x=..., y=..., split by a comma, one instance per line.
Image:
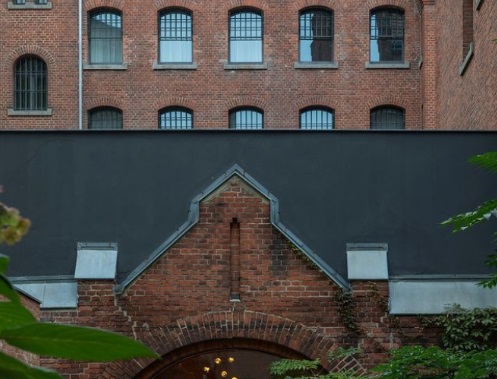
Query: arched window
x=176, y=118
x=246, y=118
x=30, y=84
x=105, y=37
x=105, y=118
x=388, y=117
x=316, y=35
x=317, y=118
x=175, y=36
x=245, y=35
x=387, y=35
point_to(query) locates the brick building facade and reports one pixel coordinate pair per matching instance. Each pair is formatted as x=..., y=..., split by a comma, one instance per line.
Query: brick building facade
x=235, y=279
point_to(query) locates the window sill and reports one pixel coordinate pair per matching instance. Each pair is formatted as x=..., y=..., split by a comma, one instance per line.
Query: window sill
x=44, y=113
x=316, y=65
x=11, y=5
x=392, y=65
x=174, y=66
x=93, y=66
x=467, y=59
x=245, y=66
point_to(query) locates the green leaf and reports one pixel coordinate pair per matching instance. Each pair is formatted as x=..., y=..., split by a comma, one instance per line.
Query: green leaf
x=4, y=263
x=74, y=342
x=11, y=368
x=487, y=161
x=7, y=290
x=466, y=220
x=13, y=315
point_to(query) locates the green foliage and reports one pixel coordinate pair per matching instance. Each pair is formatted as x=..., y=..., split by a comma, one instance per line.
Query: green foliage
x=346, y=310
x=416, y=362
x=482, y=213
x=467, y=330
x=19, y=328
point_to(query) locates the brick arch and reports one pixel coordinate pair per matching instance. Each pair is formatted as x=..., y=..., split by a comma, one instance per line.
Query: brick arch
x=300, y=4
x=199, y=330
x=171, y=101
x=93, y=4
x=404, y=4
x=245, y=101
x=312, y=101
x=232, y=4
x=31, y=50
x=188, y=4
x=107, y=101
x=387, y=100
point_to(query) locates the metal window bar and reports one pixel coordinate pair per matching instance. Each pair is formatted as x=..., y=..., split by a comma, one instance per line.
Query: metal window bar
x=176, y=119
x=316, y=119
x=105, y=37
x=388, y=118
x=246, y=26
x=387, y=30
x=106, y=118
x=30, y=87
x=316, y=24
x=176, y=26
x=246, y=119
x=20, y=2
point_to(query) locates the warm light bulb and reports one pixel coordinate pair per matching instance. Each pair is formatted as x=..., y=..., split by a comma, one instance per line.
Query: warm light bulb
x=217, y=360
x=234, y=377
x=206, y=369
x=224, y=373
x=231, y=359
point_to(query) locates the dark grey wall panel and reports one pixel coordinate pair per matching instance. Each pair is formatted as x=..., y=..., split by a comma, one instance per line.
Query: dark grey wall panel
x=134, y=188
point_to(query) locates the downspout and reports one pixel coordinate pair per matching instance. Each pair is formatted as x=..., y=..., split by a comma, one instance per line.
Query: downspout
x=80, y=64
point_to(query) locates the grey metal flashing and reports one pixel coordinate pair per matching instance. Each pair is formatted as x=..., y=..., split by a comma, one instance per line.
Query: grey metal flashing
x=367, y=261
x=316, y=65
x=193, y=218
x=52, y=292
x=393, y=65
x=467, y=59
x=96, y=260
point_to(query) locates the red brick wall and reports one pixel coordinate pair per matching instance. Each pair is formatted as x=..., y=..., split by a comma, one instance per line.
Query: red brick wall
x=468, y=101
x=281, y=90
x=184, y=297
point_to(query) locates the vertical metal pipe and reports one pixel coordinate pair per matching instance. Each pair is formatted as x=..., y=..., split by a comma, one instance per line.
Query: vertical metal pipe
x=80, y=64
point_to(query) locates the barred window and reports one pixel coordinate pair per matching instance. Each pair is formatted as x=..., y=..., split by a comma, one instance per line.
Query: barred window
x=246, y=118
x=318, y=118
x=245, y=32
x=41, y=2
x=105, y=118
x=175, y=36
x=316, y=36
x=20, y=2
x=388, y=117
x=30, y=84
x=105, y=37
x=176, y=118
x=387, y=35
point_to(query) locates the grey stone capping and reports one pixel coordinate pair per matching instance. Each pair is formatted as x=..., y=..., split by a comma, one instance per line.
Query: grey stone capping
x=13, y=112
x=245, y=66
x=96, y=261
x=392, y=65
x=316, y=65
x=92, y=66
x=174, y=66
x=478, y=4
x=433, y=296
x=367, y=261
x=11, y=5
x=467, y=59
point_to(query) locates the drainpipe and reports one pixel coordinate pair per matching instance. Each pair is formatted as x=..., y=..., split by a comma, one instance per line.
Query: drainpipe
x=80, y=64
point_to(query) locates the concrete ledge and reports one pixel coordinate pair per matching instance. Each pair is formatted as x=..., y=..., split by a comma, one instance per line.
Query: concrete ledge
x=467, y=59
x=433, y=296
x=13, y=112
x=92, y=66
x=316, y=65
x=174, y=66
x=11, y=5
x=367, y=261
x=399, y=65
x=96, y=261
x=245, y=66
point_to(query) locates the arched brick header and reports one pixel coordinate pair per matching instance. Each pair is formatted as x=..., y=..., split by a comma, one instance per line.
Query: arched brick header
x=171, y=101
x=32, y=50
x=270, y=329
x=92, y=4
x=301, y=4
x=188, y=4
x=313, y=101
x=245, y=102
x=103, y=102
x=404, y=4
x=387, y=100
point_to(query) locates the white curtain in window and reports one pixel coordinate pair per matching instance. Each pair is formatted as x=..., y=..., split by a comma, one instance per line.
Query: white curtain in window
x=246, y=51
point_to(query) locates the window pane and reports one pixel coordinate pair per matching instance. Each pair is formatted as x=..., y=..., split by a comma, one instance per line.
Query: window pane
x=245, y=37
x=176, y=118
x=387, y=36
x=105, y=38
x=246, y=119
x=318, y=119
x=175, y=37
x=106, y=118
x=316, y=36
x=30, y=84
x=388, y=118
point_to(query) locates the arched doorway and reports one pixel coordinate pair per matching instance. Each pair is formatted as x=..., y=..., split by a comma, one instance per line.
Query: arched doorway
x=237, y=358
